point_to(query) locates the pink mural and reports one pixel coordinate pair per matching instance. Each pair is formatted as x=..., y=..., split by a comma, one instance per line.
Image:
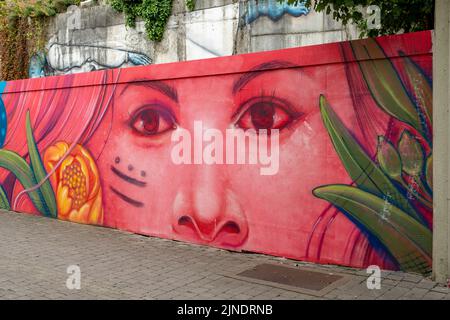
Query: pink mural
x=319, y=153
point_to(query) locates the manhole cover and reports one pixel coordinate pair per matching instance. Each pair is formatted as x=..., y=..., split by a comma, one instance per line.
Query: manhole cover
x=310, y=280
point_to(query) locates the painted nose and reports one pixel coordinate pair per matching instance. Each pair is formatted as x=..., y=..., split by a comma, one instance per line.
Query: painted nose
x=207, y=201
x=209, y=211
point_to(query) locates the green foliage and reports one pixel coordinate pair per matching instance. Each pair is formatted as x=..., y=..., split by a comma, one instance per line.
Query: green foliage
x=408, y=241
x=29, y=175
x=14, y=163
x=360, y=167
x=389, y=197
x=389, y=159
x=4, y=203
x=385, y=85
x=190, y=4
x=13, y=9
x=14, y=51
x=411, y=153
x=155, y=14
x=422, y=89
x=429, y=172
x=39, y=171
x=396, y=15
x=23, y=25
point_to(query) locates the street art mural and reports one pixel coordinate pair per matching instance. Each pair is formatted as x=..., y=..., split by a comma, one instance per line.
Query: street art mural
x=66, y=59
x=84, y=47
x=272, y=9
x=320, y=153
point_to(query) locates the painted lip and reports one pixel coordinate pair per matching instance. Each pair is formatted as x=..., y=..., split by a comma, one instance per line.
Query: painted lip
x=227, y=233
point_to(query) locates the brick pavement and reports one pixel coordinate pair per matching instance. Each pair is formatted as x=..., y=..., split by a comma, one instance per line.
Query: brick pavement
x=35, y=253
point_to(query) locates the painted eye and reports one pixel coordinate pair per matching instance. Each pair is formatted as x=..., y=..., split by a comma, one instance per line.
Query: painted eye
x=150, y=121
x=265, y=114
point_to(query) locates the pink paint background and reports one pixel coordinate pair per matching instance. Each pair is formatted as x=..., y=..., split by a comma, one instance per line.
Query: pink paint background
x=226, y=206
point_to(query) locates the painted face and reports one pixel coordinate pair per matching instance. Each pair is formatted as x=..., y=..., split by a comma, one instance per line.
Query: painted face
x=229, y=205
x=227, y=152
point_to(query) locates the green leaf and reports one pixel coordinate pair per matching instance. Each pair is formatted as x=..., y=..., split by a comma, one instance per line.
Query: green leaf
x=411, y=153
x=39, y=172
x=384, y=83
x=4, y=203
x=408, y=241
x=429, y=172
x=190, y=4
x=363, y=171
x=389, y=159
x=14, y=163
x=422, y=88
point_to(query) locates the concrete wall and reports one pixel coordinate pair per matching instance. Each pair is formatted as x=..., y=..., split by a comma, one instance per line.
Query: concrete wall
x=441, y=120
x=264, y=26
x=92, y=38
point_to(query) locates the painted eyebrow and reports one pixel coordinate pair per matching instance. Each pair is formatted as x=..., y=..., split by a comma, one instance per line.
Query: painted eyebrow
x=160, y=86
x=259, y=70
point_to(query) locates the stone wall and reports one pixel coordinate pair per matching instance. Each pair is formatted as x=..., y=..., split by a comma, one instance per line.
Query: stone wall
x=92, y=38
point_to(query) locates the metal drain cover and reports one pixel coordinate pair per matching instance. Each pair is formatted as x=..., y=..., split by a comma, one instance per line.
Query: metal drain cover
x=311, y=280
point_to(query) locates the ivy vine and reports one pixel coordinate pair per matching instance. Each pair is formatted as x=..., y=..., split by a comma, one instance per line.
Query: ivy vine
x=190, y=4
x=155, y=14
x=23, y=27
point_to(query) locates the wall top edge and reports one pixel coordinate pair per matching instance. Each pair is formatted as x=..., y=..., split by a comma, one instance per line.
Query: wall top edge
x=299, y=57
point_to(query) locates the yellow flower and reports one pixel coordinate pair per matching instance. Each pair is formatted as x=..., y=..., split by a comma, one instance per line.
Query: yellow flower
x=77, y=184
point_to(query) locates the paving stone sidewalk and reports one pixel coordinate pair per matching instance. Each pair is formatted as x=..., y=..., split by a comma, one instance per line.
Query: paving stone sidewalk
x=35, y=253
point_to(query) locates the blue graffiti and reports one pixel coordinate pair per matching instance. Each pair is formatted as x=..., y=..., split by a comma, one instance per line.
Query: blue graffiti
x=272, y=9
x=3, y=120
x=139, y=59
x=38, y=65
